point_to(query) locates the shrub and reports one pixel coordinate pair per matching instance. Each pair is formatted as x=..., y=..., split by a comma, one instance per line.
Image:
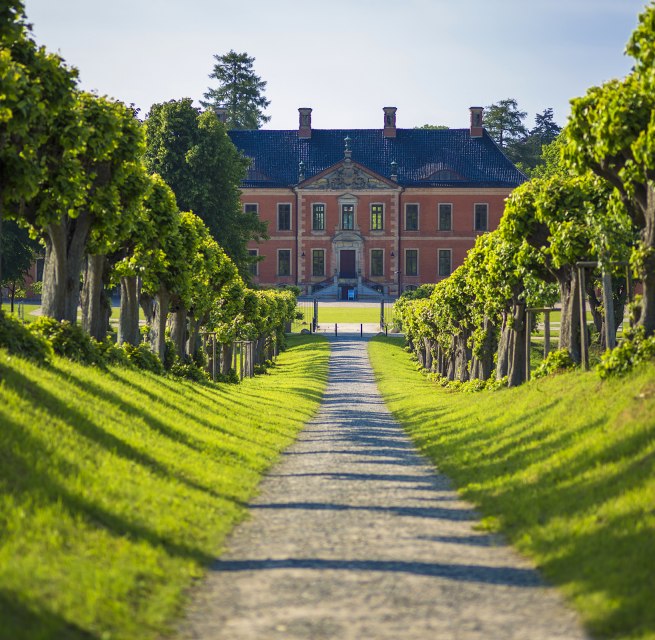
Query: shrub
x=555, y=362
x=188, y=369
x=20, y=341
x=634, y=350
x=143, y=358
x=68, y=340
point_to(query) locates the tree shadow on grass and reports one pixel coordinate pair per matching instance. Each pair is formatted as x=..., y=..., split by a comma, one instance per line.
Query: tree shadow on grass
x=26, y=476
x=22, y=622
x=87, y=429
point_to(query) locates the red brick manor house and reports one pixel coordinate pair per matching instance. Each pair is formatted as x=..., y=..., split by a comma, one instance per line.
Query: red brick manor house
x=358, y=212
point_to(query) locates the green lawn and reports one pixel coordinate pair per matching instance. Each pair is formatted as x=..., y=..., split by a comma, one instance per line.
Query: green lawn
x=332, y=315
x=563, y=466
x=117, y=487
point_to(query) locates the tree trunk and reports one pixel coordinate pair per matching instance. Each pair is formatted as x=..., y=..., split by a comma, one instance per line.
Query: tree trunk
x=194, y=342
x=65, y=245
x=462, y=356
x=502, y=364
x=128, y=321
x=158, y=328
x=428, y=353
x=516, y=372
x=569, y=332
x=482, y=364
x=647, y=315
x=93, y=298
x=178, y=330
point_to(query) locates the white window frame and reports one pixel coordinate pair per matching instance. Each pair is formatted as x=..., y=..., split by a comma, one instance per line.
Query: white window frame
x=376, y=204
x=450, y=204
x=277, y=266
x=319, y=275
x=418, y=216
x=418, y=254
x=475, y=205
x=370, y=262
x=251, y=204
x=254, y=265
x=450, y=253
x=324, y=205
x=277, y=211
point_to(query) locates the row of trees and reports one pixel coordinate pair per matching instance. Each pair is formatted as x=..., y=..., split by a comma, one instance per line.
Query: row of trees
x=594, y=201
x=91, y=183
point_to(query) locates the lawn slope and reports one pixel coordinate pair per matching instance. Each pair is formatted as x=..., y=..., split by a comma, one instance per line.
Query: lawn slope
x=118, y=487
x=564, y=466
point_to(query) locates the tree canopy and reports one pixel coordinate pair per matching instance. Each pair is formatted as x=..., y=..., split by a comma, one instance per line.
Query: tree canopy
x=240, y=91
x=192, y=152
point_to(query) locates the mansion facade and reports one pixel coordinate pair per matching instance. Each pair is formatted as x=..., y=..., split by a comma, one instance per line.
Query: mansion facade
x=360, y=211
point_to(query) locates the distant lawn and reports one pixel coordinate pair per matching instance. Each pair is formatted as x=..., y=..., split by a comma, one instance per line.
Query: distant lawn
x=117, y=488
x=563, y=466
x=332, y=315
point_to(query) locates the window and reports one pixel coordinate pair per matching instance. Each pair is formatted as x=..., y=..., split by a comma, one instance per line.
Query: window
x=251, y=209
x=318, y=217
x=445, y=262
x=284, y=262
x=318, y=262
x=481, y=217
x=347, y=216
x=411, y=217
x=377, y=217
x=377, y=262
x=411, y=262
x=253, y=267
x=284, y=217
x=445, y=217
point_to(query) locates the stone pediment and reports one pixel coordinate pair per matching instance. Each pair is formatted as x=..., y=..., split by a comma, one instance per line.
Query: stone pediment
x=347, y=175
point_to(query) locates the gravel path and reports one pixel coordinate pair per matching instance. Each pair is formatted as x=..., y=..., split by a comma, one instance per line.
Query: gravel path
x=354, y=536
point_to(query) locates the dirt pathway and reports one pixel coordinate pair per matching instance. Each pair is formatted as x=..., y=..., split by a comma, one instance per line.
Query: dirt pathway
x=354, y=536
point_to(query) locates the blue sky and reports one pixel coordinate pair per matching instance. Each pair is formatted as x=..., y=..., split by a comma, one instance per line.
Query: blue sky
x=348, y=58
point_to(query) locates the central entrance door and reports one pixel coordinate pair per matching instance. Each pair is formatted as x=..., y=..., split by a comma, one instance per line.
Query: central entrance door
x=347, y=263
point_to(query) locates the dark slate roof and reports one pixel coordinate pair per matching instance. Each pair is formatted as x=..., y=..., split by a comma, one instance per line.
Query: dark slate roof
x=425, y=157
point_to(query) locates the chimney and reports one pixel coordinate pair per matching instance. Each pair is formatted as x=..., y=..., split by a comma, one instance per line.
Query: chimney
x=389, y=122
x=476, y=122
x=305, y=129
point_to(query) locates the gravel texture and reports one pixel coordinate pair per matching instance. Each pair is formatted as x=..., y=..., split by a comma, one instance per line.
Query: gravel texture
x=355, y=536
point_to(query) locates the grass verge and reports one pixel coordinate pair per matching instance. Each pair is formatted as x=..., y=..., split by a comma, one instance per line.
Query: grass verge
x=117, y=488
x=563, y=466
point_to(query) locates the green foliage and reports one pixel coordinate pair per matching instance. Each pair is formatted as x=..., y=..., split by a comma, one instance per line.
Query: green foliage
x=635, y=349
x=188, y=369
x=143, y=358
x=240, y=92
x=194, y=155
x=556, y=361
x=68, y=340
x=18, y=340
x=563, y=467
x=118, y=488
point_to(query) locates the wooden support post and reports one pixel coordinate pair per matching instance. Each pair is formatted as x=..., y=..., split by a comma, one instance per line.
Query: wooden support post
x=335, y=329
x=583, y=319
x=546, y=333
x=528, y=335
x=214, y=364
x=608, y=304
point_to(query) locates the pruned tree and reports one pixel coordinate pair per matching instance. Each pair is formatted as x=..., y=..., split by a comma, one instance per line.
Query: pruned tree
x=612, y=132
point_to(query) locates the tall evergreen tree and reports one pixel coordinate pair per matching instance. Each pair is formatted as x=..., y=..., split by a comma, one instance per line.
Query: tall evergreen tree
x=504, y=122
x=240, y=91
x=545, y=129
